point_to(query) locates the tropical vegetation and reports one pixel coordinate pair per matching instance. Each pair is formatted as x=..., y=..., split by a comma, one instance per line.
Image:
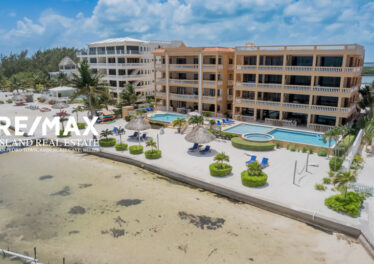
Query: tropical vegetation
x=220, y=168
x=254, y=176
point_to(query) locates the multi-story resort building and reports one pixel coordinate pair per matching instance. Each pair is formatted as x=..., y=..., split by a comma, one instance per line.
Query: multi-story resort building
x=125, y=60
x=195, y=78
x=314, y=86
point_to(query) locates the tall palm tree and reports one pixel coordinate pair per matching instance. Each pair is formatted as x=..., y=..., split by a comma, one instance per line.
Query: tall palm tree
x=179, y=123
x=77, y=109
x=106, y=99
x=196, y=120
x=87, y=84
x=105, y=133
x=342, y=178
x=221, y=157
x=368, y=135
x=128, y=96
x=331, y=134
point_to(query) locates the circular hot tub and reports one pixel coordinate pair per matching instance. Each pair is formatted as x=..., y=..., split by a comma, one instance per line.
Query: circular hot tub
x=257, y=137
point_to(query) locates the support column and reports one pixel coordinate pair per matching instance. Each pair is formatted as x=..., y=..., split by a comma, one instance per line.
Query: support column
x=200, y=89
x=167, y=80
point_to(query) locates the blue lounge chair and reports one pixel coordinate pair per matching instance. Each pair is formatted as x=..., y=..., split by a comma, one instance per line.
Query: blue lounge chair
x=135, y=135
x=205, y=150
x=148, y=109
x=219, y=123
x=253, y=158
x=194, y=147
x=224, y=121
x=228, y=120
x=151, y=108
x=143, y=136
x=264, y=162
x=115, y=130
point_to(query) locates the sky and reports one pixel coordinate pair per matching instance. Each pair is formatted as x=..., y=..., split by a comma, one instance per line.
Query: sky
x=43, y=24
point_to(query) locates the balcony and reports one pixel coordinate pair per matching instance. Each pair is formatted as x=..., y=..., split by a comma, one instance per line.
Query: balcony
x=299, y=68
x=296, y=87
x=183, y=96
x=245, y=101
x=230, y=82
x=268, y=103
x=295, y=106
x=209, y=98
x=269, y=86
x=246, y=84
x=270, y=68
x=324, y=108
x=160, y=80
x=209, y=67
x=209, y=83
x=307, y=69
x=178, y=81
x=184, y=66
x=160, y=66
x=160, y=94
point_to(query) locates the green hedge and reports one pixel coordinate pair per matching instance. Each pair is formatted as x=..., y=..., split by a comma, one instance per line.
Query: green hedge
x=136, y=149
x=121, y=147
x=247, y=145
x=1, y=102
x=107, y=142
x=223, y=134
x=128, y=118
x=81, y=125
x=322, y=152
x=351, y=205
x=339, y=163
x=156, y=123
x=61, y=134
x=153, y=154
x=9, y=101
x=253, y=181
x=344, y=145
x=218, y=169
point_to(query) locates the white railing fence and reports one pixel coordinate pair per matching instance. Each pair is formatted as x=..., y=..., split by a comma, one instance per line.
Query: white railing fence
x=353, y=151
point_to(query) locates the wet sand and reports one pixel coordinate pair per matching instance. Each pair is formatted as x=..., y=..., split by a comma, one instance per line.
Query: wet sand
x=93, y=210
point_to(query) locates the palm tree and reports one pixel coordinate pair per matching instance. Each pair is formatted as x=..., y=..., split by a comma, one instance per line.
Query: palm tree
x=368, y=135
x=196, y=120
x=77, y=109
x=105, y=133
x=254, y=168
x=88, y=84
x=331, y=134
x=221, y=157
x=342, y=178
x=179, y=123
x=62, y=79
x=62, y=120
x=106, y=99
x=152, y=144
x=128, y=96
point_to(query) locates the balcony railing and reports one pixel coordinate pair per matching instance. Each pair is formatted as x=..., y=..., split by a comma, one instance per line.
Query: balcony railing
x=268, y=103
x=326, y=89
x=295, y=106
x=245, y=101
x=270, y=68
x=178, y=81
x=269, y=86
x=160, y=80
x=296, y=87
x=160, y=94
x=246, y=84
x=184, y=66
x=209, y=67
x=209, y=98
x=299, y=68
x=160, y=66
x=324, y=108
x=183, y=96
x=230, y=82
x=209, y=83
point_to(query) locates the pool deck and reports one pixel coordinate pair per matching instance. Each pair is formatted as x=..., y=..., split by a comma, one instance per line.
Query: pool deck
x=279, y=191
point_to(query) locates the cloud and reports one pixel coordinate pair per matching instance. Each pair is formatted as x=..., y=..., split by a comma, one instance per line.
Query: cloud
x=210, y=22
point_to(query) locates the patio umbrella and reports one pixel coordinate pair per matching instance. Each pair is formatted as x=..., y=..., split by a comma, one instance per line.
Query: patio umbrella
x=59, y=106
x=138, y=124
x=200, y=135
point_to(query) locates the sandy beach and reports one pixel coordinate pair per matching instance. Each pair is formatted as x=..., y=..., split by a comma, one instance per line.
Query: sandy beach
x=93, y=210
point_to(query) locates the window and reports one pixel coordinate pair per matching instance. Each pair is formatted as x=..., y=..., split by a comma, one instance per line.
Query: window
x=250, y=60
x=195, y=76
x=111, y=60
x=230, y=60
x=112, y=72
x=121, y=72
x=121, y=60
x=181, y=60
x=219, y=60
x=113, y=83
x=93, y=60
x=195, y=61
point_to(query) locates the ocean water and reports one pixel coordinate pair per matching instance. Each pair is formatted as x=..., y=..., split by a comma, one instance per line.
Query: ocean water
x=93, y=210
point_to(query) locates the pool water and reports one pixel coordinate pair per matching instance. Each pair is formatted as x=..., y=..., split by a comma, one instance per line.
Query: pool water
x=167, y=118
x=299, y=137
x=258, y=137
x=247, y=128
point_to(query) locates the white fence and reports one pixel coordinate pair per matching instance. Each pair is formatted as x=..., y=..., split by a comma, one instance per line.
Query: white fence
x=353, y=151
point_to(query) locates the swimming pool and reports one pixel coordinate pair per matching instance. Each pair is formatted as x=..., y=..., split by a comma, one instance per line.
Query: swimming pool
x=247, y=128
x=301, y=137
x=167, y=118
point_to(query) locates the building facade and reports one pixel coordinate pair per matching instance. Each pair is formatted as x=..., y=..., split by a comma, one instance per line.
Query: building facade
x=194, y=78
x=125, y=60
x=315, y=86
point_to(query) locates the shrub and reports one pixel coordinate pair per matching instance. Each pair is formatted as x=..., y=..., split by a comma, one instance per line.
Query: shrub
x=310, y=150
x=350, y=205
x=292, y=148
x=339, y=163
x=322, y=152
x=136, y=149
x=223, y=134
x=219, y=169
x=254, y=181
x=156, y=123
x=1, y=102
x=128, y=118
x=358, y=158
x=52, y=102
x=121, y=147
x=117, y=112
x=357, y=162
x=81, y=125
x=153, y=154
x=320, y=187
x=326, y=180
x=41, y=99
x=247, y=145
x=207, y=114
x=304, y=149
x=277, y=144
x=9, y=101
x=254, y=176
x=61, y=134
x=107, y=142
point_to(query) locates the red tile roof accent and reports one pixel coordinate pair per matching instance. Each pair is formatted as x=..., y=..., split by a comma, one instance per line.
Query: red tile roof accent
x=158, y=51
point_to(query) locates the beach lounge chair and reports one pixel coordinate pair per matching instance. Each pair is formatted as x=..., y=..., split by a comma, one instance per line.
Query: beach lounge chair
x=219, y=123
x=225, y=122
x=135, y=135
x=194, y=147
x=115, y=130
x=143, y=136
x=253, y=158
x=205, y=150
x=151, y=108
x=228, y=120
x=264, y=162
x=148, y=109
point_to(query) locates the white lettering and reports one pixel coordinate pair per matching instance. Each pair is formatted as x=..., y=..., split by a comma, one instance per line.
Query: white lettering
x=5, y=127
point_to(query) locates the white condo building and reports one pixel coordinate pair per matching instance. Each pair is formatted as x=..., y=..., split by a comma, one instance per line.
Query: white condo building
x=125, y=60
